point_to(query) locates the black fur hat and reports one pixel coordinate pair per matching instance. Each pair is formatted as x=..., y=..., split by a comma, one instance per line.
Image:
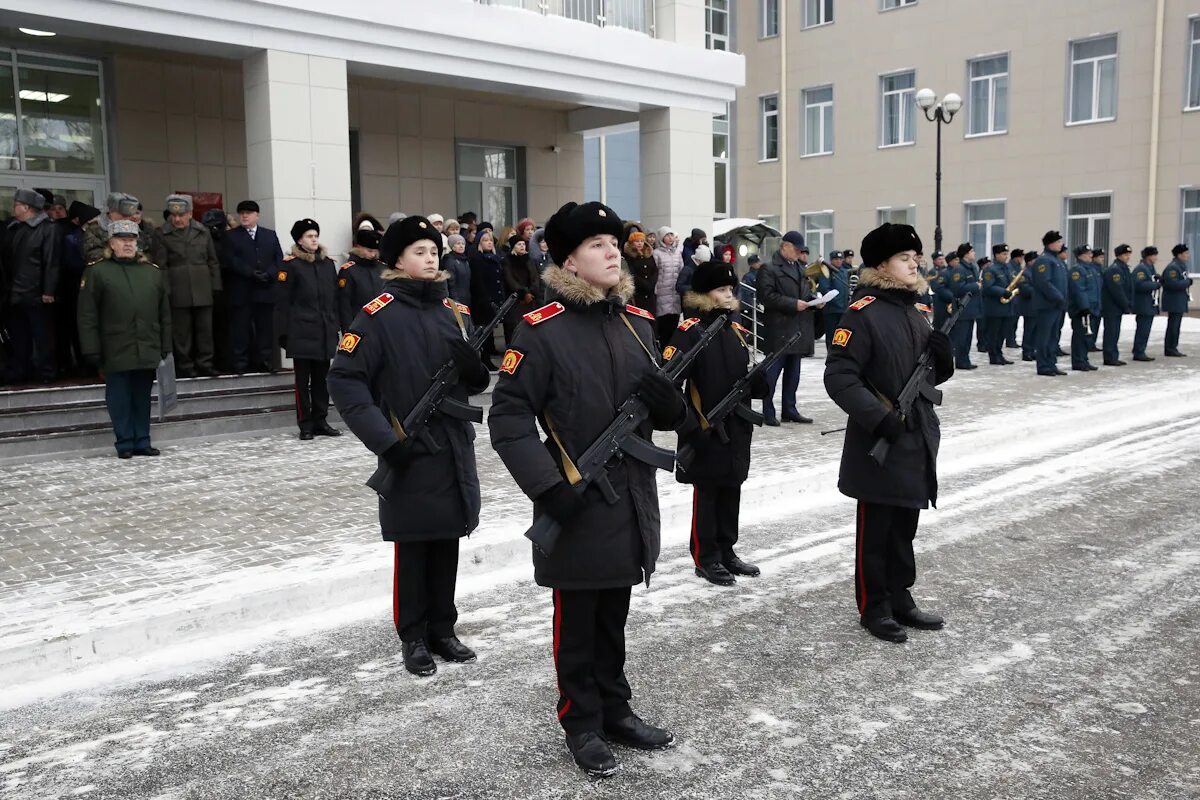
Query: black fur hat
x=573, y=223
x=303, y=226
x=713, y=275
x=402, y=233
x=885, y=241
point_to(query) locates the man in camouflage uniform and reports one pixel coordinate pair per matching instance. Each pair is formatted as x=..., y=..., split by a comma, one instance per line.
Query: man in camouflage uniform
x=193, y=274
x=118, y=206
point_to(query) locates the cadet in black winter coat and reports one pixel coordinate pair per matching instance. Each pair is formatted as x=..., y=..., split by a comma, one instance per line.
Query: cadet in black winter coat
x=716, y=470
x=572, y=363
x=871, y=357
x=428, y=499
x=307, y=323
x=360, y=279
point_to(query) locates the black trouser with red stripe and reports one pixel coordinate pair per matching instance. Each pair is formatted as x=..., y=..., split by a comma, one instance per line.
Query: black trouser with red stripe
x=589, y=657
x=884, y=565
x=423, y=589
x=714, y=523
x=312, y=392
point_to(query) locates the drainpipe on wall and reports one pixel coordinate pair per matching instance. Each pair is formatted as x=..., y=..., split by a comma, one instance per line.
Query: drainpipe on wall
x=1155, y=111
x=784, y=153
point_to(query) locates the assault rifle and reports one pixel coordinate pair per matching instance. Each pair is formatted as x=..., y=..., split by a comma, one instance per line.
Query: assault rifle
x=732, y=403
x=437, y=400
x=621, y=439
x=917, y=385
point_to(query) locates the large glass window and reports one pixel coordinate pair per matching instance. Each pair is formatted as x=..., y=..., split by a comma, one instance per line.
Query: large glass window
x=898, y=108
x=769, y=13
x=1190, y=228
x=987, y=98
x=10, y=154
x=1094, y=80
x=611, y=169
x=1089, y=219
x=1193, y=98
x=721, y=164
x=985, y=225
x=769, y=107
x=487, y=183
x=716, y=24
x=817, y=12
x=897, y=216
x=817, y=228
x=818, y=121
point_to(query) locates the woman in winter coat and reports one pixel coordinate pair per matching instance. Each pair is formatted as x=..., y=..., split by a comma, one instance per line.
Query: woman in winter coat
x=539, y=251
x=306, y=320
x=670, y=261
x=520, y=276
x=458, y=267
x=639, y=260
x=428, y=495
x=487, y=286
x=871, y=356
x=716, y=468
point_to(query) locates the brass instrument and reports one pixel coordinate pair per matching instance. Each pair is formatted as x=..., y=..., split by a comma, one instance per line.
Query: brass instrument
x=814, y=272
x=1012, y=287
x=852, y=281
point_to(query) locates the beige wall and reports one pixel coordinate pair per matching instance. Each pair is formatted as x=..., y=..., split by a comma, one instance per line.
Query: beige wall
x=1034, y=166
x=179, y=123
x=406, y=145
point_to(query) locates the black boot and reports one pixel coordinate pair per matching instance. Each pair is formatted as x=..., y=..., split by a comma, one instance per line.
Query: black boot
x=592, y=754
x=885, y=628
x=325, y=429
x=771, y=421
x=738, y=567
x=1143, y=358
x=797, y=417
x=451, y=649
x=417, y=659
x=916, y=618
x=147, y=451
x=632, y=732
x=716, y=573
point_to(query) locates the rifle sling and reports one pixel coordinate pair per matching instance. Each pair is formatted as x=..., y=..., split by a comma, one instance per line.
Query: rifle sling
x=646, y=350
x=569, y=469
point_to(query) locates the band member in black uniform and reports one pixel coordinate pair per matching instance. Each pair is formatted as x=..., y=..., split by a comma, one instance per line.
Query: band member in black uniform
x=361, y=278
x=572, y=363
x=870, y=359
x=715, y=469
x=430, y=498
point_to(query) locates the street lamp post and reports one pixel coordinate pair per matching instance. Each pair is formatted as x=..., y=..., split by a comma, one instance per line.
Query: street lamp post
x=939, y=112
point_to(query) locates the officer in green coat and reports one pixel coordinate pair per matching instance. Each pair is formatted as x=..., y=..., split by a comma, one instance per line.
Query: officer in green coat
x=125, y=330
x=194, y=274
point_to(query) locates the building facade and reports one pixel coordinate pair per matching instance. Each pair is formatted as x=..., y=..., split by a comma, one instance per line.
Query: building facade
x=392, y=105
x=1082, y=115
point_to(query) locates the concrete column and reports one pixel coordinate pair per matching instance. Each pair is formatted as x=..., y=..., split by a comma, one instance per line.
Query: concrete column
x=298, y=143
x=677, y=169
x=680, y=21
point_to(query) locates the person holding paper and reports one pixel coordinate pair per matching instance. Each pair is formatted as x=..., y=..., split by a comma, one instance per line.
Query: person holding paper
x=786, y=294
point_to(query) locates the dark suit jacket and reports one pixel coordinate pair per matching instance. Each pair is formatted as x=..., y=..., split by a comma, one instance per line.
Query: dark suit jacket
x=245, y=256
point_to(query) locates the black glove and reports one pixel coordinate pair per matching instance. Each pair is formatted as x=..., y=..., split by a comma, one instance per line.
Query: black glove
x=942, y=352
x=1007, y=295
x=261, y=276
x=662, y=398
x=283, y=341
x=398, y=455
x=467, y=361
x=890, y=427
x=760, y=387
x=561, y=502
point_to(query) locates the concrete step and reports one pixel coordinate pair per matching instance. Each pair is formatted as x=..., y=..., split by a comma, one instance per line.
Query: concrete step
x=39, y=396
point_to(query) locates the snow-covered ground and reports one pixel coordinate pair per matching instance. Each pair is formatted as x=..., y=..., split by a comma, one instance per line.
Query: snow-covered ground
x=1064, y=556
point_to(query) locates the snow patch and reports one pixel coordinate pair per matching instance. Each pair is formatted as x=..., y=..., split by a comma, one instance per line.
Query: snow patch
x=1130, y=708
x=1017, y=653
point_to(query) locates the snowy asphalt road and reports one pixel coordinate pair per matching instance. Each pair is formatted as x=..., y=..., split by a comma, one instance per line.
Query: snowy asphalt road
x=1070, y=577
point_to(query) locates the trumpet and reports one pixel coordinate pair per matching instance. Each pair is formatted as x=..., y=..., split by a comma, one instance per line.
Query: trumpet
x=1012, y=287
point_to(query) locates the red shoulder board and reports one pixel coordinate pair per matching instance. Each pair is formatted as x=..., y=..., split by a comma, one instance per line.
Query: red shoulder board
x=347, y=264
x=461, y=308
x=544, y=313
x=687, y=323
x=924, y=309
x=737, y=327
x=639, y=312
x=859, y=305
x=378, y=303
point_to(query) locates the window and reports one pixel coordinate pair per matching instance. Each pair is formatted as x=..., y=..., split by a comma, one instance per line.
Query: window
x=817, y=228
x=770, y=18
x=896, y=216
x=817, y=12
x=818, y=121
x=898, y=112
x=987, y=97
x=1094, y=80
x=50, y=116
x=1089, y=218
x=1193, y=98
x=721, y=164
x=888, y=5
x=1190, y=230
x=487, y=183
x=611, y=164
x=769, y=106
x=985, y=225
x=716, y=24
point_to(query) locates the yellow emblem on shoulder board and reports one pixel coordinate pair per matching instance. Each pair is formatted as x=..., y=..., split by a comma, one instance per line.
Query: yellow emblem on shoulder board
x=349, y=342
x=670, y=352
x=510, y=362
x=378, y=303
x=860, y=304
x=841, y=337
x=687, y=323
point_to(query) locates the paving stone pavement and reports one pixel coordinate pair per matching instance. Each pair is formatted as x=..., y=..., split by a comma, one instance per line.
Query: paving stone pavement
x=90, y=542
